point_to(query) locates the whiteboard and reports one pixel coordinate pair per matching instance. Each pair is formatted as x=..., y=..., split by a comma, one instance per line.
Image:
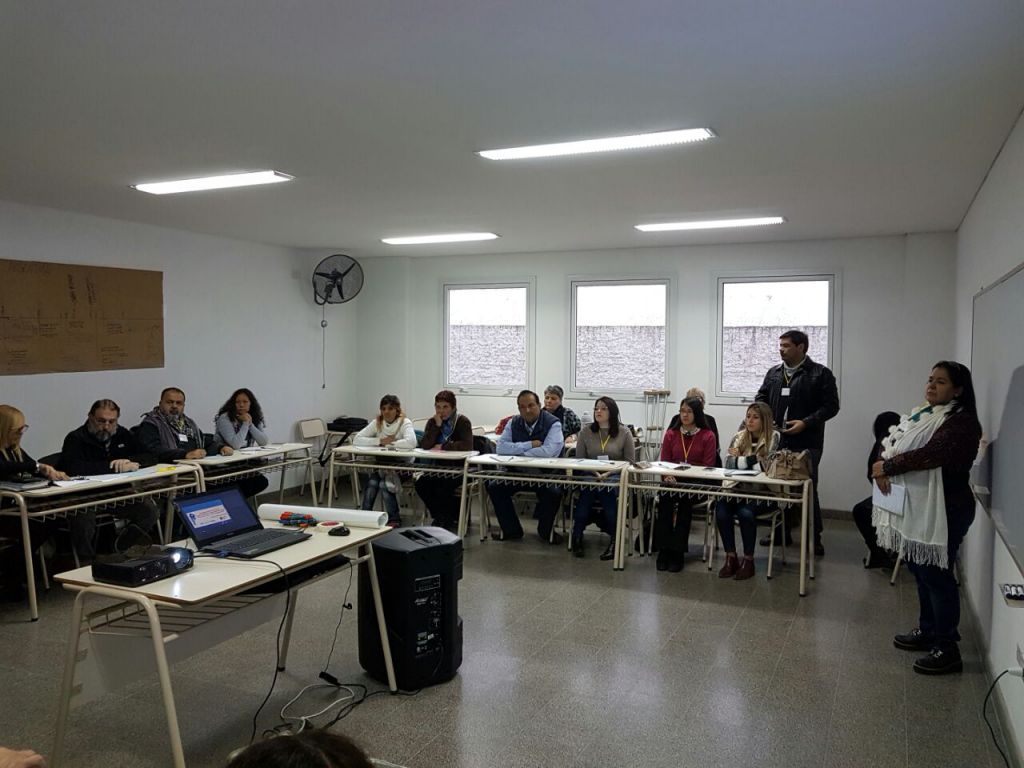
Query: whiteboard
x=997, y=365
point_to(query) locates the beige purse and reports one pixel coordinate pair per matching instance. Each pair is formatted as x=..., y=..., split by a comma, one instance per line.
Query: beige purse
x=789, y=465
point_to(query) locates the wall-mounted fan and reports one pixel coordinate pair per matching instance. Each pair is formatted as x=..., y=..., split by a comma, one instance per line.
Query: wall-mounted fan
x=336, y=279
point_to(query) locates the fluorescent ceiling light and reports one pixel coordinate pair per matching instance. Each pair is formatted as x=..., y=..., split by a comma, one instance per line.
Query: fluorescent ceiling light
x=213, y=182
x=455, y=237
x=711, y=224
x=639, y=141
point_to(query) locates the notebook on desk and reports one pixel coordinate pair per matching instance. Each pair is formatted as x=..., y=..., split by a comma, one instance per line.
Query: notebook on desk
x=222, y=521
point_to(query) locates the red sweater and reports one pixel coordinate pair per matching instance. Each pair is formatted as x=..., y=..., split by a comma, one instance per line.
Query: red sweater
x=700, y=449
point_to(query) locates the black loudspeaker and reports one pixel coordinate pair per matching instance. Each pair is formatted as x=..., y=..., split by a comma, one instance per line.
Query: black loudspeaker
x=419, y=571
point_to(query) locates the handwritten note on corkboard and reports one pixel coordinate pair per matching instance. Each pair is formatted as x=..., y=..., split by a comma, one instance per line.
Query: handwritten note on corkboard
x=57, y=318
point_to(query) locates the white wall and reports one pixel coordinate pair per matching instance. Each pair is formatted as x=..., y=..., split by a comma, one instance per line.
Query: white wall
x=990, y=244
x=896, y=323
x=235, y=314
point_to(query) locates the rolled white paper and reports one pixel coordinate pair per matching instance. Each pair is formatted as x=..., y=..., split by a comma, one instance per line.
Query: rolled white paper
x=354, y=518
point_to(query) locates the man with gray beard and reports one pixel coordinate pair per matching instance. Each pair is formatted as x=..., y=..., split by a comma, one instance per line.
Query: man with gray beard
x=101, y=447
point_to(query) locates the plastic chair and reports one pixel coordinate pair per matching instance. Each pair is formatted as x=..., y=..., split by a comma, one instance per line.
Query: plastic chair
x=314, y=430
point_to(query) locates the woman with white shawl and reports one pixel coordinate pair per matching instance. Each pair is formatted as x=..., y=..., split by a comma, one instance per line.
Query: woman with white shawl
x=926, y=461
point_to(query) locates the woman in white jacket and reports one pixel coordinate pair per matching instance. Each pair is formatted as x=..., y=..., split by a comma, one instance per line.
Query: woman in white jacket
x=390, y=428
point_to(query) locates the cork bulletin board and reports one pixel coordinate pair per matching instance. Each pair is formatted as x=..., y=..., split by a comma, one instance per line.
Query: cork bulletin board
x=57, y=318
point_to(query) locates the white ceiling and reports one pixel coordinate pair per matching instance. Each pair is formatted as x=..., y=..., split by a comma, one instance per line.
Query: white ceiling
x=849, y=118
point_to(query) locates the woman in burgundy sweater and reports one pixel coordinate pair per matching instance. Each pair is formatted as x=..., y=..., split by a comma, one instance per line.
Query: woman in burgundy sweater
x=687, y=441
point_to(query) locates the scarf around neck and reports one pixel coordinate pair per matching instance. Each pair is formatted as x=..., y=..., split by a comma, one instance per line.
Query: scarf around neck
x=919, y=533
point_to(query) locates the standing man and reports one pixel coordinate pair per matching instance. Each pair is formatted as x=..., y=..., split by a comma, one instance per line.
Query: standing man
x=534, y=432
x=170, y=435
x=101, y=447
x=803, y=396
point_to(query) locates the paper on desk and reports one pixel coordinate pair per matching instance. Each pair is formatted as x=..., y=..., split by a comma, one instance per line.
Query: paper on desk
x=891, y=502
x=595, y=463
x=354, y=518
x=741, y=472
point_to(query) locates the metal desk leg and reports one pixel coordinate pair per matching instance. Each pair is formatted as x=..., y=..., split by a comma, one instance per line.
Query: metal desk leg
x=381, y=624
x=287, y=639
x=809, y=493
x=619, y=561
x=30, y=575
x=330, y=480
x=464, y=504
x=280, y=489
x=312, y=481
x=803, y=543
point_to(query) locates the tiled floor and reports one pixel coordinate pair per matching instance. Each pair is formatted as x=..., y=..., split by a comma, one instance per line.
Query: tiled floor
x=566, y=663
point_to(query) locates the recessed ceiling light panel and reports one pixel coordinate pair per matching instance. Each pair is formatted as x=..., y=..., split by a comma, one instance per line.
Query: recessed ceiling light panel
x=677, y=226
x=455, y=237
x=638, y=141
x=213, y=182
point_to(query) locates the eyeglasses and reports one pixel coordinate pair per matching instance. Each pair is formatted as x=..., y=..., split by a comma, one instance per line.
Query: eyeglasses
x=22, y=429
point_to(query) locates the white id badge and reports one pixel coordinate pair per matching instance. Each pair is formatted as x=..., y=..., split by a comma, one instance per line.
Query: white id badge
x=603, y=457
x=785, y=391
x=183, y=438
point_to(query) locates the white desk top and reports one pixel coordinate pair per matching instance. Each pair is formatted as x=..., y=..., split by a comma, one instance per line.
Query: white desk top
x=213, y=577
x=683, y=472
x=412, y=453
x=492, y=460
x=245, y=454
x=112, y=481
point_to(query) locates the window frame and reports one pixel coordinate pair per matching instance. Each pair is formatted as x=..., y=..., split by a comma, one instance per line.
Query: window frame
x=720, y=279
x=620, y=394
x=491, y=390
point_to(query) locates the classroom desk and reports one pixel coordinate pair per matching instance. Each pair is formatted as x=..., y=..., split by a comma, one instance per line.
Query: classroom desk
x=692, y=482
x=364, y=458
x=170, y=620
x=93, y=496
x=529, y=470
x=273, y=457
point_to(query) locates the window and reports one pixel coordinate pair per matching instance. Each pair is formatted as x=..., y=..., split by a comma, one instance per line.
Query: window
x=618, y=336
x=754, y=311
x=487, y=336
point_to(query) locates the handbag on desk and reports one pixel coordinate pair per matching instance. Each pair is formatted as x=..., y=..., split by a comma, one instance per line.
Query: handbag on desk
x=789, y=465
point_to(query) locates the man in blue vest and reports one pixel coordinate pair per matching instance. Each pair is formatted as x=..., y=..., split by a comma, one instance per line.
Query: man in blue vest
x=534, y=432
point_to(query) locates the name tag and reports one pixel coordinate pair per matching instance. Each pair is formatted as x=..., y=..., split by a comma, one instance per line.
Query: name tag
x=183, y=438
x=785, y=391
x=603, y=457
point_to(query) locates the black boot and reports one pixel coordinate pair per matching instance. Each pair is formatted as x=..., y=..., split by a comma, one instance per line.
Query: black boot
x=577, y=546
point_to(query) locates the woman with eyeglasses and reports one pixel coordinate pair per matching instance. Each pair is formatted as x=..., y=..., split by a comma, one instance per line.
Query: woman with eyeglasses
x=15, y=465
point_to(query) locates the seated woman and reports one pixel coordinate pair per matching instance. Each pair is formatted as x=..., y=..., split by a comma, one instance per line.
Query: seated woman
x=448, y=430
x=239, y=423
x=15, y=465
x=877, y=557
x=712, y=424
x=553, y=404
x=606, y=438
x=687, y=441
x=391, y=427
x=749, y=449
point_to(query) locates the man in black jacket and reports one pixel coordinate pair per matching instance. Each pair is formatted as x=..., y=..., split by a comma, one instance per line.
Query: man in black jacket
x=101, y=447
x=803, y=396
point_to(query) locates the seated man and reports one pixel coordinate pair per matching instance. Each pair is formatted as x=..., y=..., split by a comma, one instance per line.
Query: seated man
x=534, y=432
x=101, y=447
x=170, y=435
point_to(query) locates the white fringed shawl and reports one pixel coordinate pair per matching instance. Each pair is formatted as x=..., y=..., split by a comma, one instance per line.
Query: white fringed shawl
x=920, y=534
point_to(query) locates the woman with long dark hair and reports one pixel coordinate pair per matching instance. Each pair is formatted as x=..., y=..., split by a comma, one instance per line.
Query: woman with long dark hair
x=240, y=421
x=606, y=438
x=687, y=441
x=929, y=456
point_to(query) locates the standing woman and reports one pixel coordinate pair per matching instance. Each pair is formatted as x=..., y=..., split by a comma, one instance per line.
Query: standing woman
x=606, y=438
x=929, y=454
x=390, y=428
x=687, y=441
x=15, y=463
x=239, y=422
x=749, y=449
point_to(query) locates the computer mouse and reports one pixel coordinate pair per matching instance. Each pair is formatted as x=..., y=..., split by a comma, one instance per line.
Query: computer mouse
x=339, y=530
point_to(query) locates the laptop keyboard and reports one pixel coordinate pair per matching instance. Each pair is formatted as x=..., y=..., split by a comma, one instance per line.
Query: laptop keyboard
x=255, y=538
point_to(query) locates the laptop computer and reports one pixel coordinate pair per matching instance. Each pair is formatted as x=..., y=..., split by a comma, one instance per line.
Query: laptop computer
x=222, y=521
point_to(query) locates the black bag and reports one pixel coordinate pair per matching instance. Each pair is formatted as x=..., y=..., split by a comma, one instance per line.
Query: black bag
x=483, y=446
x=347, y=424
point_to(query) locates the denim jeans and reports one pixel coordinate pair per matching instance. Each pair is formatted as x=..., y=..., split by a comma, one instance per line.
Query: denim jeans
x=584, y=515
x=745, y=513
x=374, y=482
x=937, y=590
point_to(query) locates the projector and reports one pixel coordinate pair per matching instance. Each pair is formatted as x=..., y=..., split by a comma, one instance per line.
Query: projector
x=142, y=569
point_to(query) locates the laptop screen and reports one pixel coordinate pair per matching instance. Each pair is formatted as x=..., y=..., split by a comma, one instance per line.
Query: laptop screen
x=215, y=514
